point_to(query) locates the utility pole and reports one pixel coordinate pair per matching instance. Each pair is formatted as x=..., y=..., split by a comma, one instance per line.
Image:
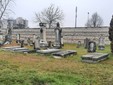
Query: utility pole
x=76, y=17
x=88, y=20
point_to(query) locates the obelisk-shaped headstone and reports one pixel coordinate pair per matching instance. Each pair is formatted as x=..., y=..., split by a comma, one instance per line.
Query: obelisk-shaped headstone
x=58, y=32
x=43, y=42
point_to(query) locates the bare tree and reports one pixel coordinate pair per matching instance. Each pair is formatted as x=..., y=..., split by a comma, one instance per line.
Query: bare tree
x=4, y=7
x=95, y=21
x=50, y=15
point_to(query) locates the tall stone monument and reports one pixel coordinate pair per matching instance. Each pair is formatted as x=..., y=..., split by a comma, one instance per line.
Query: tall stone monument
x=9, y=32
x=43, y=41
x=111, y=33
x=58, y=36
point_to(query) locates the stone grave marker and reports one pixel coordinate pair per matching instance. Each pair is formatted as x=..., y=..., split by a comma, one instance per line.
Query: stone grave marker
x=101, y=45
x=94, y=57
x=58, y=36
x=17, y=38
x=92, y=46
x=43, y=41
x=25, y=41
x=22, y=43
x=37, y=43
x=86, y=42
x=64, y=53
x=78, y=44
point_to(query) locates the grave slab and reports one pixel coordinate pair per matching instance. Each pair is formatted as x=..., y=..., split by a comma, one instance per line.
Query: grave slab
x=64, y=53
x=94, y=57
x=47, y=51
x=17, y=49
x=10, y=48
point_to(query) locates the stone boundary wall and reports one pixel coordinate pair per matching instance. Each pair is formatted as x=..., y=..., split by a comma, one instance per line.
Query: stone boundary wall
x=70, y=34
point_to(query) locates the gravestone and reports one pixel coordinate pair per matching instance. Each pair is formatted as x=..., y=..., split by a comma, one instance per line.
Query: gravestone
x=30, y=42
x=94, y=57
x=17, y=38
x=101, y=45
x=43, y=41
x=37, y=43
x=34, y=38
x=64, y=53
x=86, y=42
x=22, y=43
x=111, y=34
x=58, y=36
x=9, y=31
x=78, y=44
x=25, y=41
x=48, y=51
x=91, y=46
x=49, y=44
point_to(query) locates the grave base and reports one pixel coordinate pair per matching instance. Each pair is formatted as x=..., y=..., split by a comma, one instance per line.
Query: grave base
x=94, y=57
x=64, y=53
x=47, y=51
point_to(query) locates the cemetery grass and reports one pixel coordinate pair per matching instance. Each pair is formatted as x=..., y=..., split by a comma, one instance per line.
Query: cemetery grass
x=37, y=69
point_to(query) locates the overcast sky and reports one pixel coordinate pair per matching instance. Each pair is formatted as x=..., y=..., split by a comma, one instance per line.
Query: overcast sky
x=27, y=9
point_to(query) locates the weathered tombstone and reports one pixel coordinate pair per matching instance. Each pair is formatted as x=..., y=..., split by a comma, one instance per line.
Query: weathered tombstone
x=78, y=44
x=101, y=45
x=64, y=53
x=94, y=57
x=111, y=34
x=43, y=41
x=49, y=44
x=37, y=43
x=91, y=46
x=58, y=32
x=86, y=42
x=29, y=41
x=17, y=38
x=25, y=41
x=22, y=43
x=9, y=34
x=34, y=38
